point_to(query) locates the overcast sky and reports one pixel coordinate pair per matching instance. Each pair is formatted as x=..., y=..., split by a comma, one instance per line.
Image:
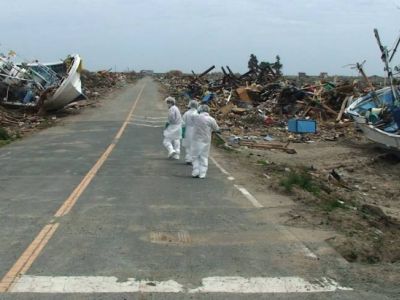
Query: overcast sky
x=309, y=35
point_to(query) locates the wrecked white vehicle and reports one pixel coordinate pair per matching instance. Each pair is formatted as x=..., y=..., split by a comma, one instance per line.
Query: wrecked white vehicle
x=45, y=86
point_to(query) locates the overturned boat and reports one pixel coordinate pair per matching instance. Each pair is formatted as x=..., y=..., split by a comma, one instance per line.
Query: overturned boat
x=48, y=86
x=378, y=116
x=378, y=113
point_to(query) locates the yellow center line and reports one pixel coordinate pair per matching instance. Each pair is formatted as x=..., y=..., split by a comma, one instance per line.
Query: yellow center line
x=28, y=257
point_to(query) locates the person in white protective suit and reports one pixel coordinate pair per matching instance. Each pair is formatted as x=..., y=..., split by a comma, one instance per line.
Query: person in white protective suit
x=188, y=125
x=204, y=125
x=173, y=130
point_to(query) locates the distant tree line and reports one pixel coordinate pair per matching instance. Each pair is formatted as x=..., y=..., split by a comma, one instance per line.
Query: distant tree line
x=265, y=65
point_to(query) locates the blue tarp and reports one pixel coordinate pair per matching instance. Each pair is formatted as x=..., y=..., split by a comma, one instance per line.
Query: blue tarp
x=208, y=98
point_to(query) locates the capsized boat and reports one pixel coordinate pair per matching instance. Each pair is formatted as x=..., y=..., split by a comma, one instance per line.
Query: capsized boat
x=377, y=114
x=49, y=86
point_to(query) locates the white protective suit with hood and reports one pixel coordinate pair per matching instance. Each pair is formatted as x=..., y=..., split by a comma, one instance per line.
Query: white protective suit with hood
x=188, y=123
x=173, y=132
x=204, y=125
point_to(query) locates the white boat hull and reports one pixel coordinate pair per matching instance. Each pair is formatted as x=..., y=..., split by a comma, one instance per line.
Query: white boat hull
x=374, y=134
x=69, y=89
x=356, y=109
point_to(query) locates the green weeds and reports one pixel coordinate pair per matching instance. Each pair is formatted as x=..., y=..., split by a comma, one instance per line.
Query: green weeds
x=302, y=180
x=4, y=135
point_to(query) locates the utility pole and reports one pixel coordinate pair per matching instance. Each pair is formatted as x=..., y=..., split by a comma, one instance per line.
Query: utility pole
x=385, y=59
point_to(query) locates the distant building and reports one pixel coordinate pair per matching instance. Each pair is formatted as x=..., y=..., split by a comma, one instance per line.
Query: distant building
x=147, y=72
x=302, y=75
x=323, y=75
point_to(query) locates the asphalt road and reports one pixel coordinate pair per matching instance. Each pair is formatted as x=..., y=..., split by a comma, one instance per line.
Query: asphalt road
x=93, y=209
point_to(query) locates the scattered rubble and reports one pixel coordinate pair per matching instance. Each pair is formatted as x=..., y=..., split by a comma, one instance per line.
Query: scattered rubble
x=32, y=94
x=341, y=178
x=19, y=121
x=261, y=102
x=41, y=86
x=16, y=123
x=101, y=82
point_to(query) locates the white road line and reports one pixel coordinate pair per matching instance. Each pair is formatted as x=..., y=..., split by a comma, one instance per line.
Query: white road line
x=151, y=118
x=148, y=121
x=219, y=166
x=91, y=284
x=145, y=125
x=308, y=252
x=228, y=284
x=301, y=247
x=265, y=285
x=243, y=190
x=249, y=196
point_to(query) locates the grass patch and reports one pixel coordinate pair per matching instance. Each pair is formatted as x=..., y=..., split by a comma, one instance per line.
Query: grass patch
x=3, y=143
x=263, y=162
x=6, y=138
x=4, y=135
x=301, y=179
x=332, y=204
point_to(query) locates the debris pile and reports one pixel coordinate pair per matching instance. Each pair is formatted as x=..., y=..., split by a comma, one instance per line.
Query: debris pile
x=261, y=102
x=48, y=86
x=17, y=121
x=348, y=185
x=14, y=123
x=101, y=82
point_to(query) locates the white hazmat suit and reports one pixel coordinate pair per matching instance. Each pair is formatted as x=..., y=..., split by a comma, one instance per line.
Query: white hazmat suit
x=204, y=125
x=188, y=123
x=173, y=130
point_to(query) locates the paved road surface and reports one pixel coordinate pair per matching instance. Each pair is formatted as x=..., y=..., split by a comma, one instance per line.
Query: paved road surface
x=94, y=206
